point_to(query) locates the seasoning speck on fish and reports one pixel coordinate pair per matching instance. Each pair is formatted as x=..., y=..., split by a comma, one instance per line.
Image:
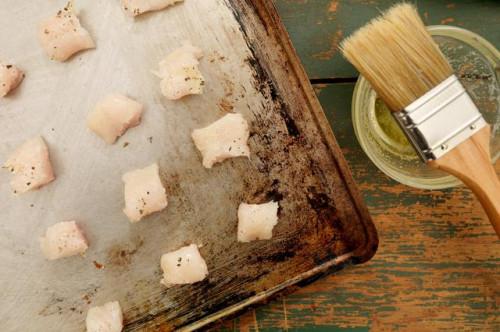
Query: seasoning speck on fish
x=144, y=193
x=138, y=7
x=10, y=78
x=113, y=116
x=256, y=221
x=105, y=318
x=183, y=266
x=63, y=239
x=179, y=73
x=30, y=165
x=62, y=35
x=223, y=139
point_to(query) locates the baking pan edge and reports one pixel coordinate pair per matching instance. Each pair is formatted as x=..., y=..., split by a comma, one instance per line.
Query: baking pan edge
x=269, y=17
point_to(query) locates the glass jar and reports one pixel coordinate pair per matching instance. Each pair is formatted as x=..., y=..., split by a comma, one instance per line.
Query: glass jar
x=476, y=63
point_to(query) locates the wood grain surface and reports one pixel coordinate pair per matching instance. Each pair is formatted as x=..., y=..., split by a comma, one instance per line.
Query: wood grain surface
x=438, y=263
x=317, y=26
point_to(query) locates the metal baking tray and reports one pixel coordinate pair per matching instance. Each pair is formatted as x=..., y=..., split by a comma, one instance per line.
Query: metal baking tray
x=250, y=67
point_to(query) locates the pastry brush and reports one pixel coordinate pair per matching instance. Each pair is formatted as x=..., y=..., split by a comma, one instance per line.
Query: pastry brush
x=399, y=58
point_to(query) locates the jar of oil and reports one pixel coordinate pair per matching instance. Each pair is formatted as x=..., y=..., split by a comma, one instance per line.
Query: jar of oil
x=476, y=63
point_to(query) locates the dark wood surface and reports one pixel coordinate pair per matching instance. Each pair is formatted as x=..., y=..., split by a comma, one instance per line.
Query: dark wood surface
x=438, y=263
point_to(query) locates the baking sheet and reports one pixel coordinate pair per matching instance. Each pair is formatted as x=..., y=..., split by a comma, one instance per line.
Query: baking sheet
x=249, y=68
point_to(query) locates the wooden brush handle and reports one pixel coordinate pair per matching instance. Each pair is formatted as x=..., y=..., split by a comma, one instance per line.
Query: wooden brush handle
x=471, y=163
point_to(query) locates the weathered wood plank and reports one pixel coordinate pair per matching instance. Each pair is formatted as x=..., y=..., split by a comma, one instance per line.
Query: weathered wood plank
x=437, y=267
x=317, y=26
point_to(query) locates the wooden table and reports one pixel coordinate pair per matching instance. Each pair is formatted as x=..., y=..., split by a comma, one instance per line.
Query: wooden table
x=438, y=264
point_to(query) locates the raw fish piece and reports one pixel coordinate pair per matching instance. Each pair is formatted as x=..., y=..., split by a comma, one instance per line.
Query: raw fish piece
x=223, y=139
x=180, y=73
x=183, y=266
x=62, y=35
x=256, y=221
x=183, y=82
x=10, y=78
x=63, y=239
x=113, y=116
x=106, y=318
x=185, y=56
x=144, y=193
x=138, y=7
x=30, y=165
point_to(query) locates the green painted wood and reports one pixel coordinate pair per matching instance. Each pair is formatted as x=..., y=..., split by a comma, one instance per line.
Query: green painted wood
x=317, y=26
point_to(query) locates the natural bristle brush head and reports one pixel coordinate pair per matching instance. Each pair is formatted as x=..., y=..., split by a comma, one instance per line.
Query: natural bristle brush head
x=397, y=55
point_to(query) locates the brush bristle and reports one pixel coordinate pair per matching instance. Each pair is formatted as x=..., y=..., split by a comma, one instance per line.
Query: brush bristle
x=397, y=55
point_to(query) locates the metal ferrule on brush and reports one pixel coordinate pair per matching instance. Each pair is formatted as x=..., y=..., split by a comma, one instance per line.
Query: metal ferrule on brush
x=440, y=120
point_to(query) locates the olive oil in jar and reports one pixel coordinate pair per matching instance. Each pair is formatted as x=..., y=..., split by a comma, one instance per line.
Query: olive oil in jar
x=394, y=135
